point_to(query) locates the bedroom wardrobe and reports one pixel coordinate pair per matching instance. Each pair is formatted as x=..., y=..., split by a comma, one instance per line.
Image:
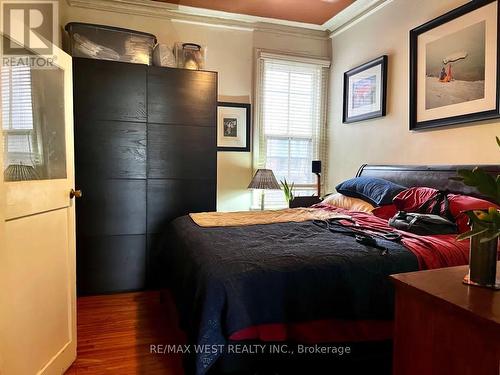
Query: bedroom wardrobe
x=145, y=153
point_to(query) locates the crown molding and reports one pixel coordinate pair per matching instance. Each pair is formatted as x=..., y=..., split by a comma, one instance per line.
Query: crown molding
x=353, y=14
x=218, y=26
x=203, y=17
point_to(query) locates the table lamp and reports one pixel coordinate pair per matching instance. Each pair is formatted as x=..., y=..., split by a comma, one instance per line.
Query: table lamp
x=264, y=180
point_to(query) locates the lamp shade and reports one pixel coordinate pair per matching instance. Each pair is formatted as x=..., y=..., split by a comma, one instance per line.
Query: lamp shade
x=20, y=172
x=264, y=179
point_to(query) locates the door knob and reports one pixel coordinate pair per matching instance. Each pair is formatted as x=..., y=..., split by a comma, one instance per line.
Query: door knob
x=75, y=194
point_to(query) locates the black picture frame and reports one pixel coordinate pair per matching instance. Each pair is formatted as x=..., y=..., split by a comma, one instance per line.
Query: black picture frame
x=248, y=107
x=383, y=62
x=459, y=119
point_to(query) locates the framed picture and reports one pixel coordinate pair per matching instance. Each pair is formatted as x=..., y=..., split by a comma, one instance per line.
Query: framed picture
x=454, y=75
x=233, y=127
x=365, y=91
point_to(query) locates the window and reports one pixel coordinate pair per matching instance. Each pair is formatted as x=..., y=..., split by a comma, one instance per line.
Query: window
x=20, y=146
x=291, y=121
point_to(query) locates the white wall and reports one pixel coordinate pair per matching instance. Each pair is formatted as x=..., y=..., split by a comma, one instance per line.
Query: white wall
x=231, y=53
x=387, y=140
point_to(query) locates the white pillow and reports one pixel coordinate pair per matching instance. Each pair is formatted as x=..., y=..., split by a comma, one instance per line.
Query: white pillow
x=348, y=203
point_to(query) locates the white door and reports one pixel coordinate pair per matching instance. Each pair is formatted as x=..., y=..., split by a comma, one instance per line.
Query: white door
x=37, y=222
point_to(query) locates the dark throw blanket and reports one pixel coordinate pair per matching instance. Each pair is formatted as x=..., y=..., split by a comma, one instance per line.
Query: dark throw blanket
x=229, y=278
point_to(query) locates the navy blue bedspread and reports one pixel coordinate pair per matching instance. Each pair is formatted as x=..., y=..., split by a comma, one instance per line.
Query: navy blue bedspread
x=228, y=278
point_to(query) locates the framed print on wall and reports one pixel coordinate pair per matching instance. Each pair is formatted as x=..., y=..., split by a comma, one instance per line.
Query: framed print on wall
x=365, y=91
x=233, y=127
x=454, y=75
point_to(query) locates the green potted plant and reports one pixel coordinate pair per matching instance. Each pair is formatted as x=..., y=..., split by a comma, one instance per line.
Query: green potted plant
x=288, y=191
x=485, y=228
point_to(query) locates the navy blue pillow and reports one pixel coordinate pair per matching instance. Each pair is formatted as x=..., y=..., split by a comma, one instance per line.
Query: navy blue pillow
x=376, y=191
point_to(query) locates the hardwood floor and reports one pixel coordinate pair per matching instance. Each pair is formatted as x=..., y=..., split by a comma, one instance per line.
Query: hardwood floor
x=115, y=333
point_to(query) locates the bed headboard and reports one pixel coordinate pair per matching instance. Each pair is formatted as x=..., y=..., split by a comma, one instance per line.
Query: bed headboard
x=434, y=176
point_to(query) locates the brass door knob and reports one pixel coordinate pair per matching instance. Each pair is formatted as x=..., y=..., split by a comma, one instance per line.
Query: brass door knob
x=75, y=194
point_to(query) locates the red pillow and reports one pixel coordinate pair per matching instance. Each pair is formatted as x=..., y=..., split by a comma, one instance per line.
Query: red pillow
x=461, y=203
x=385, y=212
x=411, y=199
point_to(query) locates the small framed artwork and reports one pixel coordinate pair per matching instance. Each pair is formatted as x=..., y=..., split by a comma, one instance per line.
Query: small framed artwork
x=365, y=91
x=233, y=127
x=454, y=75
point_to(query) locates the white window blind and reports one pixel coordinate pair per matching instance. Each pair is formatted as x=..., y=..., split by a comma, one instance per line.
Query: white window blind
x=20, y=146
x=291, y=123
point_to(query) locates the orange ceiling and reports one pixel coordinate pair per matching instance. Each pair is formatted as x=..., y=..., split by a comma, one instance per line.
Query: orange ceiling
x=308, y=11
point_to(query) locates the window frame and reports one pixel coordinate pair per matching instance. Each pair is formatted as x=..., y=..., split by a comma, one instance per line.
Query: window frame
x=259, y=157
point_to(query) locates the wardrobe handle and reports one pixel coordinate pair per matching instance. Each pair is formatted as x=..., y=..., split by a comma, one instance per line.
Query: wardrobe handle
x=75, y=194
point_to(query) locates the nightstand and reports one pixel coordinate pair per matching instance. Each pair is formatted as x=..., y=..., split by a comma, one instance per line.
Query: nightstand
x=304, y=201
x=443, y=326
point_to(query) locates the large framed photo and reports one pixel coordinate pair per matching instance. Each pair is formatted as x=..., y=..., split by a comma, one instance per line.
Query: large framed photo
x=365, y=91
x=454, y=75
x=233, y=127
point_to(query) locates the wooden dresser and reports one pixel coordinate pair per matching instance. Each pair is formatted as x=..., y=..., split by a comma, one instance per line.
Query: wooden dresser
x=445, y=327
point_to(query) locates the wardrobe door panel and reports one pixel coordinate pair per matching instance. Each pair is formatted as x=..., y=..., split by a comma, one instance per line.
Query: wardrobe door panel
x=111, y=264
x=180, y=96
x=111, y=207
x=181, y=151
x=157, y=250
x=111, y=149
x=168, y=199
x=109, y=90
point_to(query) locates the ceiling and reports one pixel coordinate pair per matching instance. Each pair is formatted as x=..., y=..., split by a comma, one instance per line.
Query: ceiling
x=307, y=11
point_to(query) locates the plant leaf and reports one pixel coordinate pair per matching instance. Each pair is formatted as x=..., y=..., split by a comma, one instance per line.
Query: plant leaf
x=482, y=181
x=478, y=222
x=498, y=186
x=496, y=219
x=472, y=233
x=465, y=174
x=490, y=237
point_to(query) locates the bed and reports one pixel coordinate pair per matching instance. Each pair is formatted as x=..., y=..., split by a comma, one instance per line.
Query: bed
x=299, y=284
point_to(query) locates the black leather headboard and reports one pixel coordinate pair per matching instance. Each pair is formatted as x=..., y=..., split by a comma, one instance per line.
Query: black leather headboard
x=434, y=176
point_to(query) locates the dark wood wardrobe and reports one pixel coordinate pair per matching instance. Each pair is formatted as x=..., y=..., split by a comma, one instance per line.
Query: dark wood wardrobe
x=145, y=153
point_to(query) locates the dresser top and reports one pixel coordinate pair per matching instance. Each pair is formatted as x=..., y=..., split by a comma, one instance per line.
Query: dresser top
x=446, y=284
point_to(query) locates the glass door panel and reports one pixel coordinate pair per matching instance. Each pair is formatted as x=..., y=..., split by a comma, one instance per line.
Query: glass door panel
x=33, y=123
x=37, y=135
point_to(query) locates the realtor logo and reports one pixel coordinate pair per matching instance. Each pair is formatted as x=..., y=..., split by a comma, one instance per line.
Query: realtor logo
x=29, y=27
